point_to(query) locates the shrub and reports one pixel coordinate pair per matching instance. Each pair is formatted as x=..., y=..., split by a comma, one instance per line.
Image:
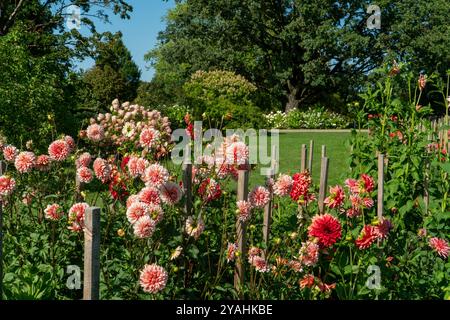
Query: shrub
x=175, y=113
x=313, y=118
x=223, y=99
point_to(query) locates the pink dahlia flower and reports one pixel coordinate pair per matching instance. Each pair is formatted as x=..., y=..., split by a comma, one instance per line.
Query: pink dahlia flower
x=170, y=193
x=194, y=228
x=440, y=246
x=10, y=153
x=282, y=187
x=102, y=170
x=53, y=212
x=84, y=160
x=155, y=175
x=336, y=198
x=43, y=162
x=95, y=132
x=259, y=197
x=153, y=278
x=136, y=211
x=25, y=161
x=244, y=210
x=144, y=227
x=84, y=174
x=7, y=185
x=149, y=137
x=149, y=196
x=59, y=150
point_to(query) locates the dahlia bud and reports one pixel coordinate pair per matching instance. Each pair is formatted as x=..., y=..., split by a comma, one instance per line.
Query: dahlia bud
x=422, y=232
x=422, y=82
x=115, y=103
x=29, y=144
x=100, y=117
x=82, y=134
x=120, y=232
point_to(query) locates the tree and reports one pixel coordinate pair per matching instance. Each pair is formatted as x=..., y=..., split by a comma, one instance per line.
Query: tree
x=299, y=51
x=115, y=75
x=37, y=85
x=53, y=13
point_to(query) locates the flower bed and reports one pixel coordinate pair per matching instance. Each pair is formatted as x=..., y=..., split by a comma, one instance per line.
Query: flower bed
x=153, y=247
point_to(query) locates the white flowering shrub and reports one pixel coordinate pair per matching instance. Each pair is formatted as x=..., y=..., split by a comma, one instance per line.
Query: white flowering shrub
x=313, y=118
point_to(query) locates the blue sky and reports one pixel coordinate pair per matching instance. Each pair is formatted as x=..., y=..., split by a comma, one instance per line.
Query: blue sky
x=139, y=32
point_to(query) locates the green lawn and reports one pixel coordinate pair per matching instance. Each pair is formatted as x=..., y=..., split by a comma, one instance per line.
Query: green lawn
x=290, y=155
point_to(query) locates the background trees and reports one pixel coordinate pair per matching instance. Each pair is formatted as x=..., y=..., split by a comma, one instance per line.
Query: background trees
x=39, y=90
x=299, y=52
x=115, y=75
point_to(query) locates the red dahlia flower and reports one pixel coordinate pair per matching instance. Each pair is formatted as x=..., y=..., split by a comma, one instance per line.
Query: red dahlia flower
x=336, y=198
x=367, y=237
x=326, y=228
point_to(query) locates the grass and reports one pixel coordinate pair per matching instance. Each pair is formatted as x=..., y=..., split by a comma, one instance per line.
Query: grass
x=290, y=145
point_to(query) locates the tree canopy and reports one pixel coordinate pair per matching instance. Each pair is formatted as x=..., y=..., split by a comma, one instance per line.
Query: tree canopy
x=115, y=75
x=38, y=88
x=299, y=51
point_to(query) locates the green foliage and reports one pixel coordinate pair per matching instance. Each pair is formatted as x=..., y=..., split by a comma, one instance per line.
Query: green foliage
x=211, y=85
x=175, y=114
x=114, y=75
x=151, y=95
x=224, y=99
x=33, y=89
x=38, y=90
x=299, y=52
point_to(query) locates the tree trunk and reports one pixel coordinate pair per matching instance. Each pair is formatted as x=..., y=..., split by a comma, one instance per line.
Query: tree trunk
x=292, y=102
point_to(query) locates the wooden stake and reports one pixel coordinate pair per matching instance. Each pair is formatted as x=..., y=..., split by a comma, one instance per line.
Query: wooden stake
x=78, y=188
x=187, y=188
x=380, y=186
x=323, y=183
x=91, y=283
x=242, y=194
x=310, y=158
x=267, y=219
x=324, y=151
x=2, y=171
x=303, y=158
x=275, y=161
x=426, y=195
